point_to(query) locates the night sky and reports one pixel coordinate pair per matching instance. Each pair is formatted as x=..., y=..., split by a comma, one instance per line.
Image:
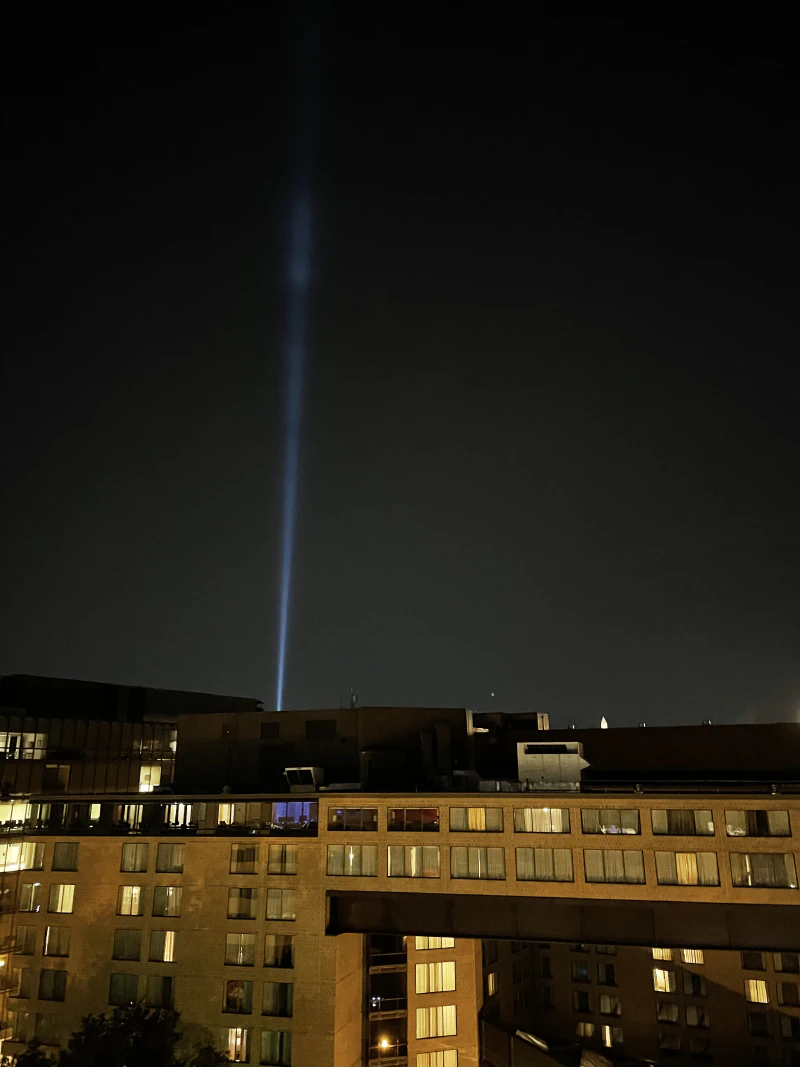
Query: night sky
x=551, y=431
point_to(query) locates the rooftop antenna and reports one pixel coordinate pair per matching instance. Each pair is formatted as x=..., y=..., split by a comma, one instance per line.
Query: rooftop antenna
x=353, y=698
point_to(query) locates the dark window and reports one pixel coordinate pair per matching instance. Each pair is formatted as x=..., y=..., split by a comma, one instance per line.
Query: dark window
x=127, y=945
x=786, y=962
x=758, y=1023
x=270, y=731
x=65, y=856
x=413, y=820
x=789, y=994
x=606, y=974
x=353, y=819
x=580, y=971
x=52, y=985
x=320, y=729
x=158, y=992
x=278, y=950
x=753, y=961
x=694, y=985
x=546, y=967
x=581, y=1001
x=123, y=989
x=790, y=1025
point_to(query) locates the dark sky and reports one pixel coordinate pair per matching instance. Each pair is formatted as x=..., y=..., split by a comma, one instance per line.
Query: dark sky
x=551, y=429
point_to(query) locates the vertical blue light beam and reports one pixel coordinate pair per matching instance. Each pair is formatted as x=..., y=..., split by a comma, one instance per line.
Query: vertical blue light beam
x=298, y=274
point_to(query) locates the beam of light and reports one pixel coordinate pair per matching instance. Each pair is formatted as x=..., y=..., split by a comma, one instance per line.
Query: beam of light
x=298, y=278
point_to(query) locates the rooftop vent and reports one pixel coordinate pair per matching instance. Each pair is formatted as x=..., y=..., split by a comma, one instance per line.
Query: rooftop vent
x=550, y=764
x=303, y=779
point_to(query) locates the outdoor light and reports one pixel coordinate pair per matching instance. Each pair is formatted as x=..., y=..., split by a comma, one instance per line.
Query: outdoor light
x=384, y=1042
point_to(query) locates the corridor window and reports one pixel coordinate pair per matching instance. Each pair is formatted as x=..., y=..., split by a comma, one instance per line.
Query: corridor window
x=127, y=945
x=476, y=820
x=436, y=977
x=62, y=898
x=763, y=870
x=663, y=980
x=413, y=861
x=237, y=997
x=242, y=903
x=65, y=856
x=413, y=820
x=757, y=823
x=169, y=859
x=278, y=999
x=610, y=821
x=167, y=901
x=276, y=1048
x=282, y=859
x=614, y=866
x=423, y=943
x=281, y=904
x=352, y=818
x=240, y=950
x=683, y=822
x=134, y=857
x=130, y=900
x=355, y=860
x=236, y=1044
x=436, y=1022
x=544, y=865
x=541, y=820
x=755, y=991
x=278, y=951
x=56, y=941
x=244, y=859
x=483, y=863
x=687, y=868
x=162, y=946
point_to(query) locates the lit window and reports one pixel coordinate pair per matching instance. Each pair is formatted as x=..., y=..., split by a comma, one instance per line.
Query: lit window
x=413, y=861
x=757, y=823
x=244, y=859
x=167, y=901
x=476, y=820
x=282, y=904
x=692, y=955
x=662, y=953
x=149, y=777
x=491, y=983
x=687, y=868
x=755, y=991
x=663, y=980
x=162, y=946
x=763, y=870
x=62, y=898
x=422, y=943
x=436, y=977
x=130, y=900
x=612, y=865
x=282, y=859
x=584, y=1029
x=237, y=997
x=610, y=821
x=242, y=903
x=683, y=822
x=445, y=1058
x=30, y=896
x=612, y=1035
x=240, y=950
x=236, y=1044
x=353, y=860
x=169, y=859
x=134, y=857
x=436, y=1022
x=544, y=865
x=477, y=862
x=541, y=820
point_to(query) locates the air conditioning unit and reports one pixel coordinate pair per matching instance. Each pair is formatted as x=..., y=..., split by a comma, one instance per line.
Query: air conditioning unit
x=551, y=764
x=303, y=779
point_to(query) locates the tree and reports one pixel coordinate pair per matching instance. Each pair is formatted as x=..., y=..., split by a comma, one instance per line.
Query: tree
x=33, y=1056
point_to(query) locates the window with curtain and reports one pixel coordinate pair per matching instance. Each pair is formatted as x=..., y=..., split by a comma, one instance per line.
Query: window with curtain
x=755, y=991
x=56, y=941
x=278, y=999
x=278, y=950
x=127, y=945
x=237, y=996
x=611, y=1035
x=282, y=904
x=62, y=898
x=541, y=820
x=687, y=868
x=697, y=1016
x=436, y=977
x=446, y=1058
x=423, y=943
x=476, y=819
x=436, y=1022
x=240, y=950
x=242, y=903
x=30, y=896
x=611, y=865
x=413, y=861
x=282, y=859
x=130, y=900
x=477, y=862
x=134, y=857
x=662, y=953
x=694, y=985
x=692, y=955
x=169, y=859
x=167, y=901
x=754, y=822
x=353, y=819
x=666, y=1011
x=65, y=856
x=356, y=860
x=413, y=820
x=158, y=991
x=663, y=980
x=787, y=962
x=276, y=1048
x=544, y=865
x=789, y=994
x=683, y=822
x=763, y=870
x=236, y=1044
x=123, y=989
x=610, y=821
x=610, y=1005
x=52, y=984
x=244, y=859
x=162, y=946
